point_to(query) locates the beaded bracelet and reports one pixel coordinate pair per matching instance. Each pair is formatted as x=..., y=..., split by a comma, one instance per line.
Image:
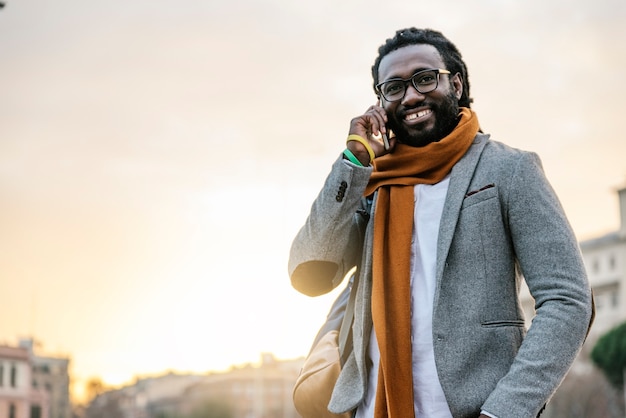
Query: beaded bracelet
x=363, y=141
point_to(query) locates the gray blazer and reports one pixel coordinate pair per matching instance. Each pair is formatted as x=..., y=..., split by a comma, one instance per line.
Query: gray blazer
x=501, y=223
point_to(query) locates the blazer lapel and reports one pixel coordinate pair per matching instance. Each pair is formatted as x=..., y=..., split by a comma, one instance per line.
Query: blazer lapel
x=460, y=178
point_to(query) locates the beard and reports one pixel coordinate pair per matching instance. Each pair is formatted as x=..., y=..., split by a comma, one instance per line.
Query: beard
x=447, y=117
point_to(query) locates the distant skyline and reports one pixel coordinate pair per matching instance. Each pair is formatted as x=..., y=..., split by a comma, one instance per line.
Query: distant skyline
x=157, y=158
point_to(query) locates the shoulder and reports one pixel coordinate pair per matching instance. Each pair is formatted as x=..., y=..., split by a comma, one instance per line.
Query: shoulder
x=500, y=157
x=496, y=149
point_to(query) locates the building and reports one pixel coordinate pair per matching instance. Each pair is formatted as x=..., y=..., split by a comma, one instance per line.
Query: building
x=52, y=375
x=249, y=391
x=33, y=386
x=146, y=398
x=605, y=259
x=18, y=397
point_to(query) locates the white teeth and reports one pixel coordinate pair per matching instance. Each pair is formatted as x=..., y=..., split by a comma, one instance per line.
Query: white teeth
x=418, y=114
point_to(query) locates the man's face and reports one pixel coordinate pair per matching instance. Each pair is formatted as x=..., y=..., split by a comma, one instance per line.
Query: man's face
x=419, y=119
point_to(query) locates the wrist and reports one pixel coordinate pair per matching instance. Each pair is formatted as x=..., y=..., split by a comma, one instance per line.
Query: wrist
x=359, y=152
x=361, y=148
x=348, y=155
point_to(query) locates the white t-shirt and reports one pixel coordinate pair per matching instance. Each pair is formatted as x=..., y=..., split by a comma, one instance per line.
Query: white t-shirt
x=428, y=395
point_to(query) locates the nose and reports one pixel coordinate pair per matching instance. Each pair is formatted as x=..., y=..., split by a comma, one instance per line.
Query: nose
x=412, y=96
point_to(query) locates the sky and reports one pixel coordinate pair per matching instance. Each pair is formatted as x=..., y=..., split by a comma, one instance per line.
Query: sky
x=157, y=158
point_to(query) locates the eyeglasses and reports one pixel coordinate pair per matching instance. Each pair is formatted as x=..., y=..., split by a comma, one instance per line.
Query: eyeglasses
x=424, y=82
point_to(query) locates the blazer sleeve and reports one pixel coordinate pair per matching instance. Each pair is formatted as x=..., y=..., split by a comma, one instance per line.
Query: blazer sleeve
x=550, y=260
x=327, y=246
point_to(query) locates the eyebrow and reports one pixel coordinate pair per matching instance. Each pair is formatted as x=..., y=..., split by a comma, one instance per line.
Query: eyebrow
x=397, y=77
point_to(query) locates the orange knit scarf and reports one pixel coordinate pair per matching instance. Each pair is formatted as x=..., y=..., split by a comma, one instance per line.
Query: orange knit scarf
x=394, y=176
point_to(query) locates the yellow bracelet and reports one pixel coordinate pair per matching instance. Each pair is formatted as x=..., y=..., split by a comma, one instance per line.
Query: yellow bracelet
x=363, y=141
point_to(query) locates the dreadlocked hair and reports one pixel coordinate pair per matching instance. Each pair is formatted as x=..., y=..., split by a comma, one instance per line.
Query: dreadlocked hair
x=448, y=51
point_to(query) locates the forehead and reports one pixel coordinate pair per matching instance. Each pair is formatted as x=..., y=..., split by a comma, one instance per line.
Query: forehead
x=405, y=61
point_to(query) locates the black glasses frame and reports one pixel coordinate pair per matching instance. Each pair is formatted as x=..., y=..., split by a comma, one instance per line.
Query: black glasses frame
x=411, y=80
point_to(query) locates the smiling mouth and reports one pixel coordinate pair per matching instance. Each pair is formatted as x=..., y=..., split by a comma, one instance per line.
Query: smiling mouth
x=417, y=115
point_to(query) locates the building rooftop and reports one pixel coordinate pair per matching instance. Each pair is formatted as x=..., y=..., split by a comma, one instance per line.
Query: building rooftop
x=15, y=353
x=601, y=241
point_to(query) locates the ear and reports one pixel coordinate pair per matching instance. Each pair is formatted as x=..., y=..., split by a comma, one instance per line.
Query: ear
x=457, y=85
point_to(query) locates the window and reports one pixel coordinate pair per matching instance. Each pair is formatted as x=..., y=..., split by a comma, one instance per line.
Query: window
x=607, y=296
x=35, y=411
x=615, y=299
x=595, y=266
x=612, y=262
x=12, y=411
x=1, y=375
x=599, y=301
x=13, y=376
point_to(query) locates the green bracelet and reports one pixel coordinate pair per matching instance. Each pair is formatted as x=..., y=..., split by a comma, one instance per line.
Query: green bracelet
x=363, y=142
x=350, y=156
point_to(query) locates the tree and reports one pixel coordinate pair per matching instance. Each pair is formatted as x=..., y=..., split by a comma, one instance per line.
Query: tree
x=94, y=387
x=609, y=354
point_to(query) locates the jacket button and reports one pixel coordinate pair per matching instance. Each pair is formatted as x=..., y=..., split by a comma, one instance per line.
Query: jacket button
x=342, y=191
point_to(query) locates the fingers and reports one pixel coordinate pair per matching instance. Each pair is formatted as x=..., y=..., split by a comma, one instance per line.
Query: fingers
x=372, y=126
x=378, y=118
x=371, y=123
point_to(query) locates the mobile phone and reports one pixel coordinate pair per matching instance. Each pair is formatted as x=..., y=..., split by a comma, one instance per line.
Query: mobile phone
x=385, y=142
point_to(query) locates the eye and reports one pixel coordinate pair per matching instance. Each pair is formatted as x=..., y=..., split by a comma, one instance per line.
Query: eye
x=393, y=87
x=425, y=79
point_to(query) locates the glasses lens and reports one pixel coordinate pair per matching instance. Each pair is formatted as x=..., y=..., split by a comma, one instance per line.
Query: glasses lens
x=425, y=81
x=393, y=90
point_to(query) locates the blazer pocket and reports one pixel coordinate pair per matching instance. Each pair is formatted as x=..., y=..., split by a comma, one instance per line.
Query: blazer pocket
x=480, y=195
x=503, y=323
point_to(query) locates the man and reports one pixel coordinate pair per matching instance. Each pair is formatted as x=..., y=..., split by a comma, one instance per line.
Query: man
x=457, y=220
